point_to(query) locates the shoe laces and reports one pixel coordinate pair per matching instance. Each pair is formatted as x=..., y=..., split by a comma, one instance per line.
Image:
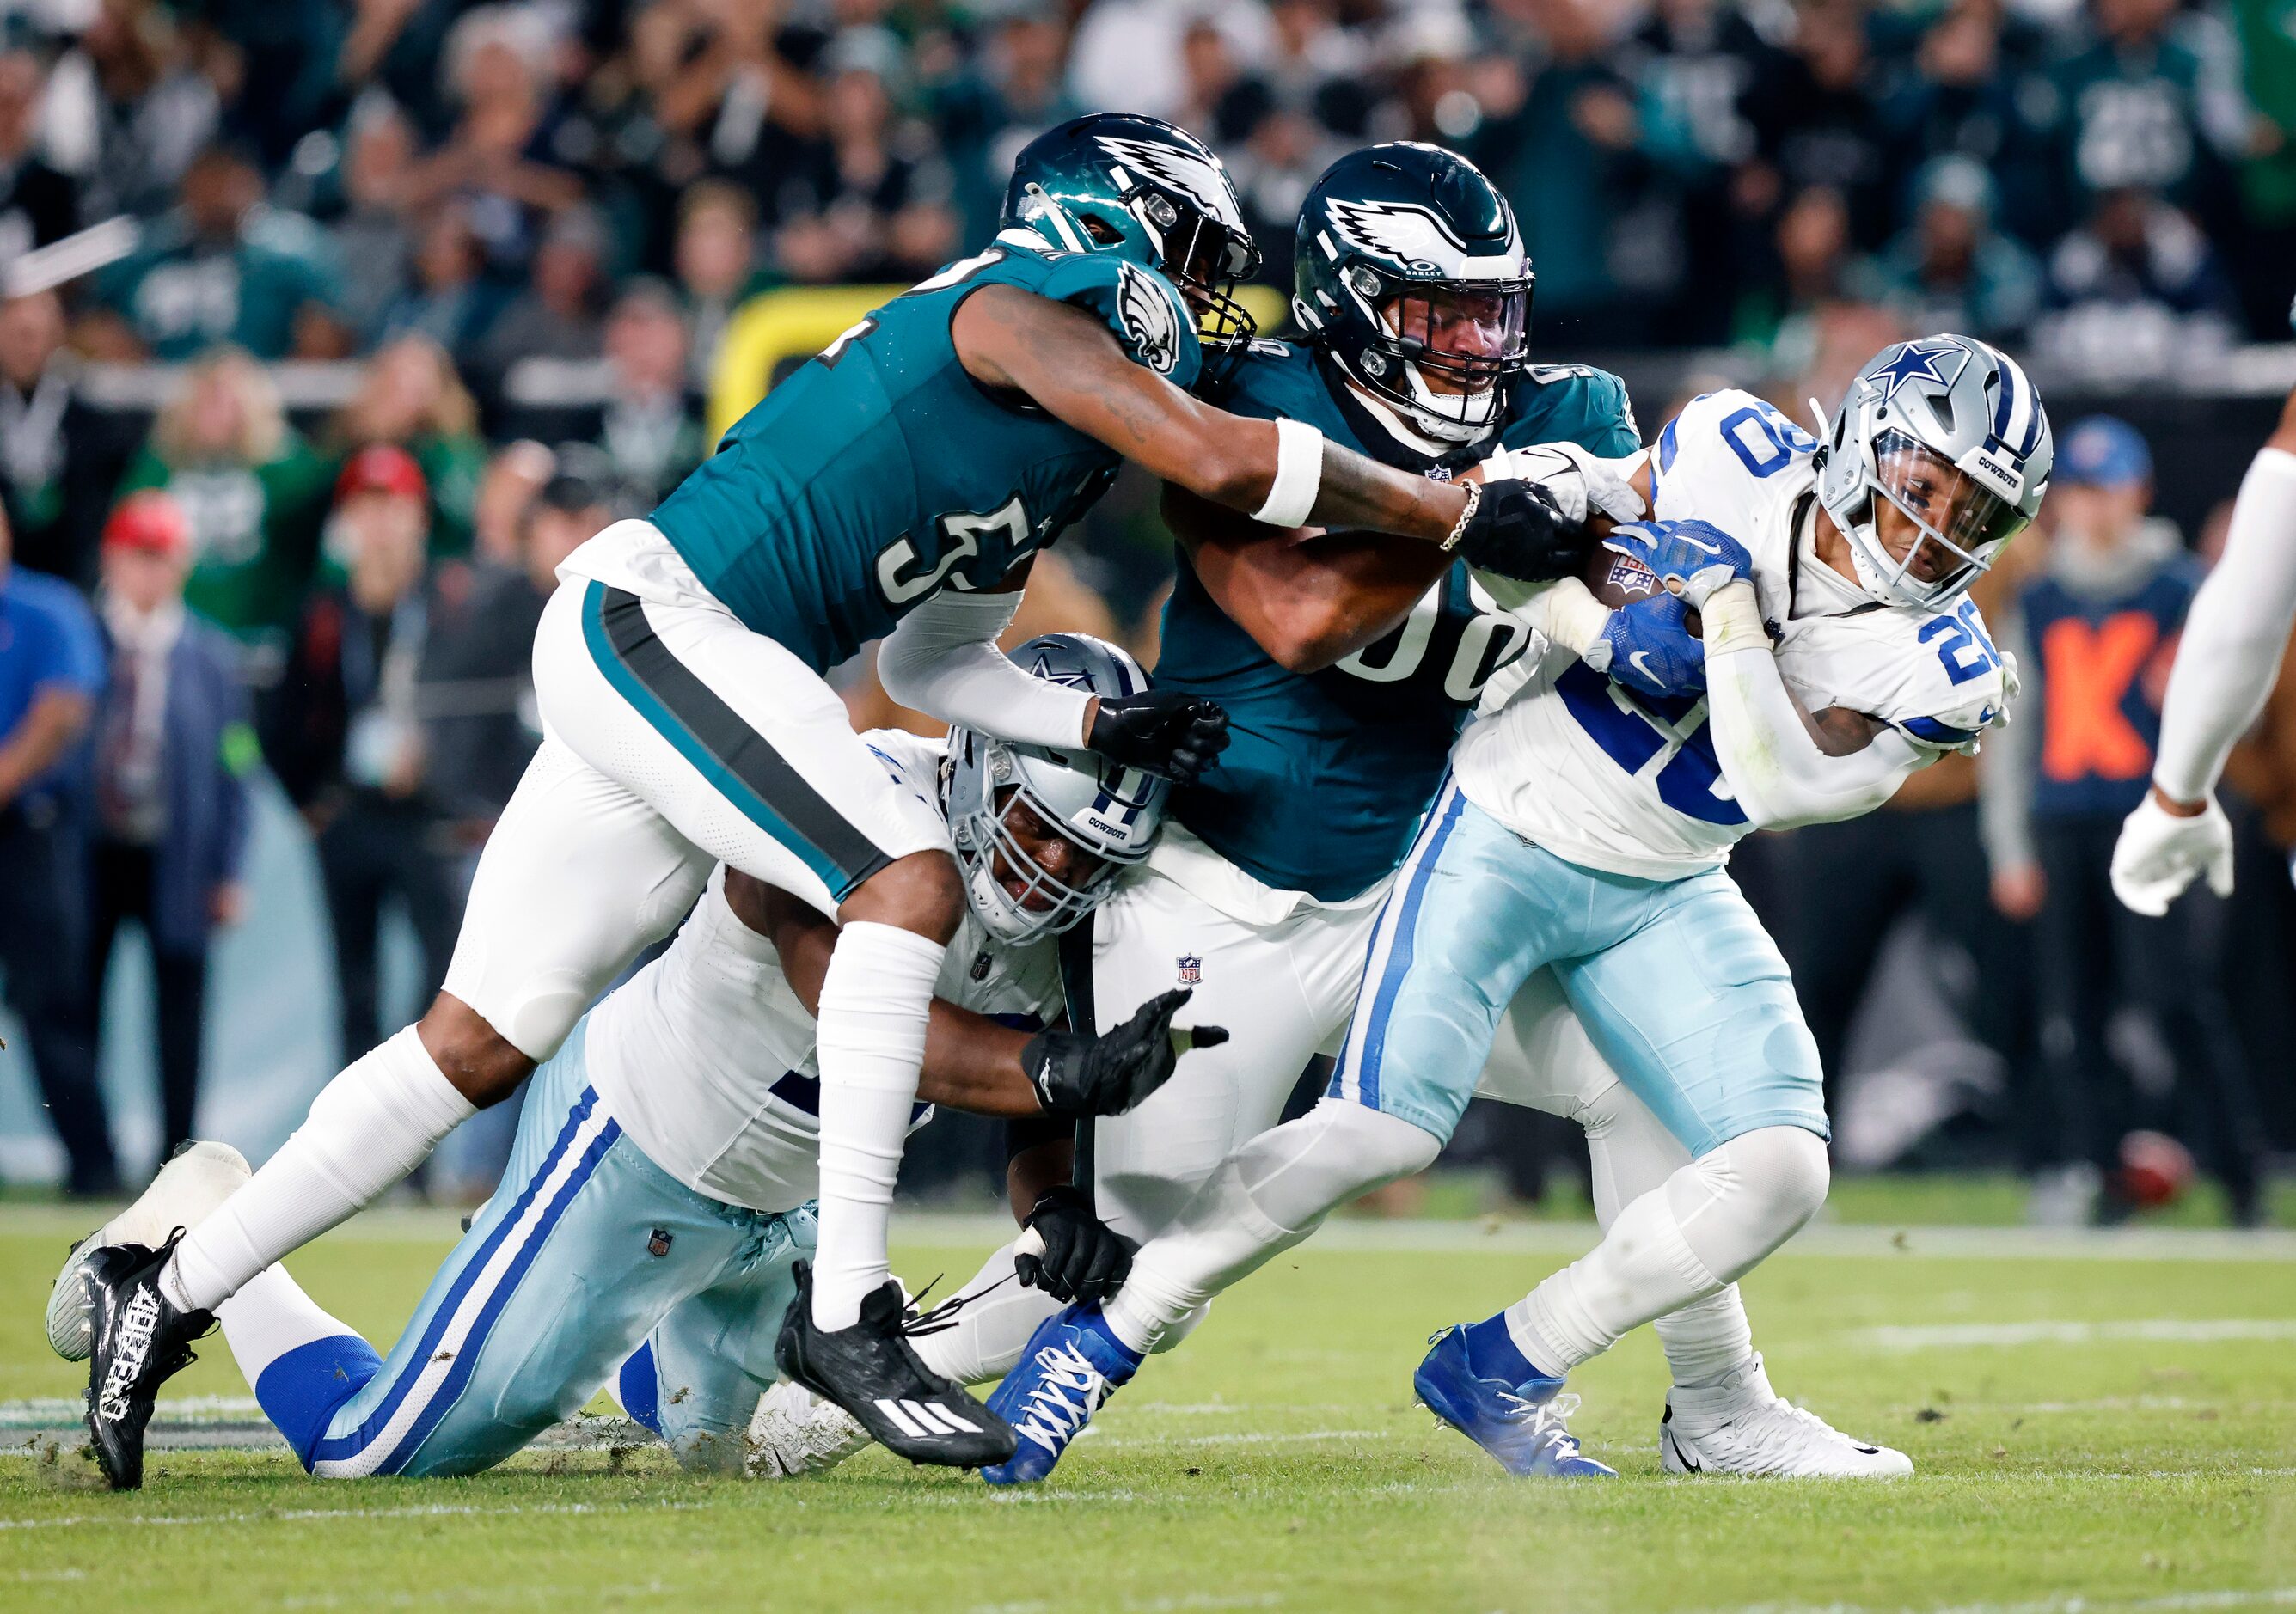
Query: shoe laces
x=917, y=1321
x=1067, y=1387
x=1545, y=1422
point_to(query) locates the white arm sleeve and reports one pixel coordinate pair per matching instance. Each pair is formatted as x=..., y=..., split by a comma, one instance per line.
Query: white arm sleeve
x=2233, y=634
x=1772, y=760
x=2004, y=775
x=942, y=659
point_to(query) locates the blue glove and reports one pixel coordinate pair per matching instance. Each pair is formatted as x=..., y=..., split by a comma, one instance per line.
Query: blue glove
x=1697, y=556
x=1646, y=646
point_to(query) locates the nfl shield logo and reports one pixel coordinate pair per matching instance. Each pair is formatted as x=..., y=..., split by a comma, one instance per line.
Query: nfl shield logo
x=1191, y=970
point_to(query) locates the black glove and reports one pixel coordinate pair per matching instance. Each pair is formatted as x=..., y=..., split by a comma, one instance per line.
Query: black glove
x=1160, y=730
x=1078, y=1074
x=1519, y=531
x=1085, y=1260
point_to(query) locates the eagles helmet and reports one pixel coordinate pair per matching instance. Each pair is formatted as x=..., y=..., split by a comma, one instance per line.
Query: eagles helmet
x=1112, y=813
x=1153, y=193
x=1409, y=271
x=1953, y=435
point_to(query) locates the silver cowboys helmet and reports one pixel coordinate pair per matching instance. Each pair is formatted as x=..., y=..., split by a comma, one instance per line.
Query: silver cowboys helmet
x=1110, y=812
x=1951, y=432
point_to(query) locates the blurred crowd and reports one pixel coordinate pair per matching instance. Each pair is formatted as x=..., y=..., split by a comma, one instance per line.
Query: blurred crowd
x=518, y=235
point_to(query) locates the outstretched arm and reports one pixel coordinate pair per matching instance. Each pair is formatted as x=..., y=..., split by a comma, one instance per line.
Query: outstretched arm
x=1785, y=764
x=1066, y=362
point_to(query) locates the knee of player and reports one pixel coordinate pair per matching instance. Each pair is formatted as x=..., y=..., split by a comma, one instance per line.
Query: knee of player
x=1370, y=1146
x=1786, y=1168
x=921, y=893
x=484, y=1066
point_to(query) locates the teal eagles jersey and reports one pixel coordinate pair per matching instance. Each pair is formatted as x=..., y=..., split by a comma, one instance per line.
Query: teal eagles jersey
x=1326, y=774
x=880, y=473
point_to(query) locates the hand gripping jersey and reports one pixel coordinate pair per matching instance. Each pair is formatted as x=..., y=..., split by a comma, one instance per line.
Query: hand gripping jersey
x=1326, y=774
x=706, y=1056
x=1616, y=781
x=880, y=473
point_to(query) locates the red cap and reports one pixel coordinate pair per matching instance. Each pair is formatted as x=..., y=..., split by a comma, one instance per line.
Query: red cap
x=151, y=522
x=382, y=467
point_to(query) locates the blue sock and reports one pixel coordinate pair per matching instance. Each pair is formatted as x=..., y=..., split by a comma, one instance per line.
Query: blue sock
x=300, y=1390
x=1493, y=1354
x=638, y=1388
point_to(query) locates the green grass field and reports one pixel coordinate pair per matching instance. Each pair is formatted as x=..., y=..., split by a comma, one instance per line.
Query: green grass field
x=2098, y=1424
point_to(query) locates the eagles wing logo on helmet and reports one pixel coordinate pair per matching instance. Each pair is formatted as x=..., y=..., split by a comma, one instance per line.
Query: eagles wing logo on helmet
x=1416, y=237
x=1179, y=169
x=1148, y=319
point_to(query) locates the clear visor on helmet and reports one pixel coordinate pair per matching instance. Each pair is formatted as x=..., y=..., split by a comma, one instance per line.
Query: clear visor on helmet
x=1464, y=335
x=1939, y=528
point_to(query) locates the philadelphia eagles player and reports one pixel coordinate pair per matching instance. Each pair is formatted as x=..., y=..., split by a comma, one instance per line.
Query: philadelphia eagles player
x=1347, y=664
x=895, y=487
x=1584, y=835
x=656, y=1210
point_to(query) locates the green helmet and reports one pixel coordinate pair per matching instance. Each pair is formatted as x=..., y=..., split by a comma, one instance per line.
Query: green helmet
x=1151, y=194
x=1407, y=264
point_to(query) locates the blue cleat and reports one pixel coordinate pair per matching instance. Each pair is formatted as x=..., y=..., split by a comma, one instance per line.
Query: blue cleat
x=1521, y=1423
x=1072, y=1365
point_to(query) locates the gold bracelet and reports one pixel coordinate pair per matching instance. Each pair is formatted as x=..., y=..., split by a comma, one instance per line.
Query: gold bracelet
x=1459, y=527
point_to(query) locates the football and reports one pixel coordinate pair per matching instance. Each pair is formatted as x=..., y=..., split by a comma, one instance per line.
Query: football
x=1617, y=580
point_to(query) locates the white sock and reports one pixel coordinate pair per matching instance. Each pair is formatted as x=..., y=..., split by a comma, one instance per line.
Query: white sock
x=991, y=1331
x=1708, y=1225
x=1265, y=1198
x=268, y=1317
x=1706, y=1341
x=874, y=1002
x=367, y=1129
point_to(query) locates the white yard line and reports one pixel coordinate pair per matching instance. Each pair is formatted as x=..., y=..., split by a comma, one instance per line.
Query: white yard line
x=2169, y=1602
x=308, y=1515
x=2179, y=1330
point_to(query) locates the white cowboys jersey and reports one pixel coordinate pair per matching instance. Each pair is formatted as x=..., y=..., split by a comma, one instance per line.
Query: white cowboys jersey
x=706, y=1056
x=1613, y=780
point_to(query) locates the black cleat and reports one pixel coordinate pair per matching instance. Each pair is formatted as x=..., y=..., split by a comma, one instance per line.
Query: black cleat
x=141, y=1340
x=871, y=1371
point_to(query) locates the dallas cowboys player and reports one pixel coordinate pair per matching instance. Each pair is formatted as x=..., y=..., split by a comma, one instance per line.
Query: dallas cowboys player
x=1584, y=834
x=658, y=1205
x=894, y=487
x=1347, y=664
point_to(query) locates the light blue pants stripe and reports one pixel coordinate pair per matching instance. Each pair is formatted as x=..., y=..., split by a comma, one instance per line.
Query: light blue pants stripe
x=1677, y=984
x=586, y=1250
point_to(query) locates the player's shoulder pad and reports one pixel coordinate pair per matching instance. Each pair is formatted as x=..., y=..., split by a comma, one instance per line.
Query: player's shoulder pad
x=1572, y=402
x=1144, y=310
x=1278, y=381
x=1934, y=676
x=912, y=761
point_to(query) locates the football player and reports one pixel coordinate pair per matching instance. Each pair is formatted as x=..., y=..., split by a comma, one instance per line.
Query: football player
x=895, y=487
x=1347, y=664
x=2233, y=637
x=1583, y=834
x=658, y=1207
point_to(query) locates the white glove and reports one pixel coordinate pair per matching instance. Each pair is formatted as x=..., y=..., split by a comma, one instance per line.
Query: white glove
x=2011, y=685
x=1581, y=483
x=2159, y=853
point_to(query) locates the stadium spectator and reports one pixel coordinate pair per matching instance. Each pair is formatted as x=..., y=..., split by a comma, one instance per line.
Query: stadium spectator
x=2095, y=635
x=717, y=265
x=38, y=202
x=556, y=316
x=345, y=737
x=254, y=493
x=60, y=458
x=1952, y=269
x=1970, y=96
x=1013, y=89
x=372, y=241
x=126, y=111
x=1816, y=120
x=172, y=747
x=447, y=300
x=412, y=397
x=2144, y=108
x=513, y=477
x=2136, y=290
x=51, y=673
x=216, y=270
x=499, y=160
x=650, y=425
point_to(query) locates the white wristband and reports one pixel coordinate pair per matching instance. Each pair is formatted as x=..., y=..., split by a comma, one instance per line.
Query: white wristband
x=1299, y=475
x=1731, y=620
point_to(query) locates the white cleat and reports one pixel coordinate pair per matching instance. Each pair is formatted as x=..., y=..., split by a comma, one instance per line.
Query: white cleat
x=184, y=1194
x=794, y=1432
x=1741, y=1426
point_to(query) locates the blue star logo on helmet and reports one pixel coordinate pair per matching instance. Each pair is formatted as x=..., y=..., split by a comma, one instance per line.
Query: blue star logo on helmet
x=1918, y=362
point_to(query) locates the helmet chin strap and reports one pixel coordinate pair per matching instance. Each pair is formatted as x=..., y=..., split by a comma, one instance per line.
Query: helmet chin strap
x=1412, y=432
